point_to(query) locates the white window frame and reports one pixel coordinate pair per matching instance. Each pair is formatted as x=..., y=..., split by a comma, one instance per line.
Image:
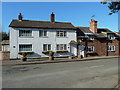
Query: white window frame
x=111, y=36
x=23, y=33
x=43, y=33
x=92, y=48
x=111, y=48
x=23, y=47
x=90, y=37
x=47, y=46
x=61, y=33
x=61, y=47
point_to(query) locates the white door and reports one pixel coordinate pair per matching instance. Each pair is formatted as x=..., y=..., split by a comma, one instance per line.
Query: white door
x=73, y=50
x=81, y=50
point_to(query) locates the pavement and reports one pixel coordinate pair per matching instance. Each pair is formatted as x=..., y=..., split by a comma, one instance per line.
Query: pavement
x=56, y=60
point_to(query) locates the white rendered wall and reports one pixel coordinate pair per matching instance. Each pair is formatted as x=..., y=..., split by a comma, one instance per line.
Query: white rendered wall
x=37, y=42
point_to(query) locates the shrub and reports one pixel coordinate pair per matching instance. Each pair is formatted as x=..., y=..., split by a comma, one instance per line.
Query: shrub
x=51, y=53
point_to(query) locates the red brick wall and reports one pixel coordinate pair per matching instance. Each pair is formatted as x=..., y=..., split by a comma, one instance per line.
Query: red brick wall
x=5, y=55
x=100, y=47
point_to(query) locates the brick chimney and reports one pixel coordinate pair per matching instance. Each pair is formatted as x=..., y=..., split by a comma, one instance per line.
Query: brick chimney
x=52, y=17
x=93, y=26
x=20, y=16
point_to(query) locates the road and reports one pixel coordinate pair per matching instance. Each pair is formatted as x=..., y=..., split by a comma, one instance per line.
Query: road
x=101, y=73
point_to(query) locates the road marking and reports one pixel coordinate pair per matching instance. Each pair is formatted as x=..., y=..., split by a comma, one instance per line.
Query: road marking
x=96, y=66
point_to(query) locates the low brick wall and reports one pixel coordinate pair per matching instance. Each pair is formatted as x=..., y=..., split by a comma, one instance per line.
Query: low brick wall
x=4, y=55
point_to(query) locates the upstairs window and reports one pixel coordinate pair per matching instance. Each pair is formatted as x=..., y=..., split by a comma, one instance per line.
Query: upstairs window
x=90, y=37
x=42, y=33
x=25, y=33
x=111, y=36
x=110, y=48
x=61, y=47
x=90, y=49
x=25, y=47
x=61, y=34
x=46, y=47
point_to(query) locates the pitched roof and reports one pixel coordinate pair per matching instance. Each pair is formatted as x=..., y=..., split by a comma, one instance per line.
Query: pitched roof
x=5, y=42
x=104, y=30
x=41, y=24
x=85, y=29
x=99, y=34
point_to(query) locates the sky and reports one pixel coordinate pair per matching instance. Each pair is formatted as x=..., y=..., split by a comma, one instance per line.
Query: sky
x=78, y=13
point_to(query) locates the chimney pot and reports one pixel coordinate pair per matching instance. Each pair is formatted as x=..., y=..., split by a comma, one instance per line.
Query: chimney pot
x=52, y=17
x=20, y=16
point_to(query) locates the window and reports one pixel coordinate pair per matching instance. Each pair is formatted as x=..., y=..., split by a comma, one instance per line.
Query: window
x=110, y=48
x=90, y=37
x=46, y=47
x=90, y=49
x=42, y=33
x=61, y=47
x=111, y=36
x=26, y=33
x=61, y=34
x=25, y=47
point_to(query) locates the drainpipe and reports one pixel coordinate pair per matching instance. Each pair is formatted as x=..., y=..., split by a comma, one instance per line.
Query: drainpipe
x=85, y=48
x=106, y=47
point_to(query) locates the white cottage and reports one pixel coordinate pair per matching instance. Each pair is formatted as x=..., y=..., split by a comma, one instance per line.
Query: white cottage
x=41, y=36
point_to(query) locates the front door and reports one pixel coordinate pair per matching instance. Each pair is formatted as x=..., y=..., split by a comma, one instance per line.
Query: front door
x=81, y=50
x=73, y=50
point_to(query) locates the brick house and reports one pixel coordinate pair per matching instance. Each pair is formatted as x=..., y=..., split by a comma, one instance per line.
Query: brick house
x=93, y=41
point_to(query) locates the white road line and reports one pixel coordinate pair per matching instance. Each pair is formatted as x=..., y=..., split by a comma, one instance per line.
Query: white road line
x=96, y=66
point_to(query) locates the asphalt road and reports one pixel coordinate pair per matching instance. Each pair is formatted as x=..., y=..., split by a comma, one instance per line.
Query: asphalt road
x=85, y=74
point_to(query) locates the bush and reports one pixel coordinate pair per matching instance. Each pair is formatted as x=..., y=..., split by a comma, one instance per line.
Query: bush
x=51, y=53
x=24, y=54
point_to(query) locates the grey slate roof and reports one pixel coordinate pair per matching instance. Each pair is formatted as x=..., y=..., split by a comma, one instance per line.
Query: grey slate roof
x=41, y=24
x=85, y=29
x=99, y=34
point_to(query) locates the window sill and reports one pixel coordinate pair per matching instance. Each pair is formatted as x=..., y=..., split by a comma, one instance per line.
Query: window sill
x=90, y=52
x=62, y=37
x=43, y=37
x=111, y=39
x=26, y=37
x=111, y=51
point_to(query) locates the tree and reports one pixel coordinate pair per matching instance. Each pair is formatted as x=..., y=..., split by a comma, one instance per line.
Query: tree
x=4, y=35
x=114, y=6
